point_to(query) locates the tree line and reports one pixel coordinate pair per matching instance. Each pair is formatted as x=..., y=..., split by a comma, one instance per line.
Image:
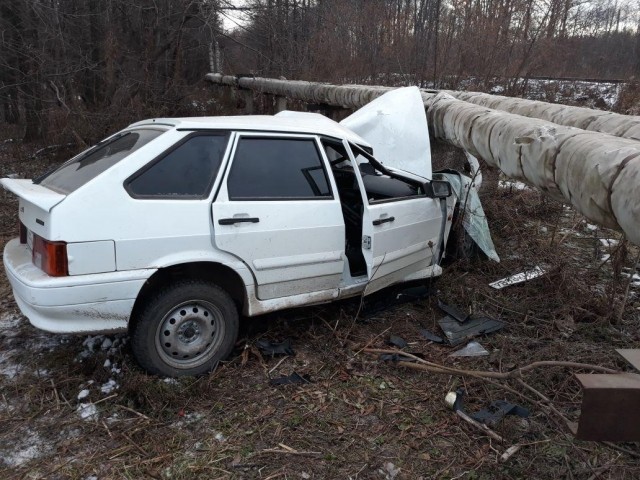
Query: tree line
x=79, y=69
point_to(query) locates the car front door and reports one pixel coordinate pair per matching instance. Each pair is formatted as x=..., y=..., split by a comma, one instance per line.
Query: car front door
x=401, y=226
x=276, y=210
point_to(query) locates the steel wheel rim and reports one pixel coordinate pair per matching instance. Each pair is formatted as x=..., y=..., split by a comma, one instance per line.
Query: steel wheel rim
x=190, y=334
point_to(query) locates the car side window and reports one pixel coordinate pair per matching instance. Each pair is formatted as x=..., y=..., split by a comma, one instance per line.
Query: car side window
x=277, y=169
x=185, y=171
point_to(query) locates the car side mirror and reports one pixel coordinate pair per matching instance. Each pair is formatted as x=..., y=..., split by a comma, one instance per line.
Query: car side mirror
x=437, y=189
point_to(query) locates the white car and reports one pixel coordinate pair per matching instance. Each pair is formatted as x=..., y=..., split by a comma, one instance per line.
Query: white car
x=171, y=228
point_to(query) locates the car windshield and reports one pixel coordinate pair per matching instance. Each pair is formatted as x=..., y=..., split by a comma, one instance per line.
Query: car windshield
x=99, y=158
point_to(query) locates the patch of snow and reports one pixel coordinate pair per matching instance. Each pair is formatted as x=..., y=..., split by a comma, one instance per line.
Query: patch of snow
x=389, y=470
x=9, y=322
x=609, y=242
x=109, y=387
x=106, y=343
x=170, y=381
x=592, y=228
x=107, y=363
x=87, y=411
x=605, y=257
x=219, y=437
x=8, y=368
x=83, y=394
x=30, y=447
x=514, y=185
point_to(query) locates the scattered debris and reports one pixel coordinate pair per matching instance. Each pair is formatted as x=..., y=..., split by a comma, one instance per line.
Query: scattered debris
x=398, y=342
x=494, y=413
x=274, y=349
x=519, y=278
x=473, y=349
x=458, y=333
x=293, y=379
x=432, y=337
x=395, y=357
x=453, y=311
x=453, y=400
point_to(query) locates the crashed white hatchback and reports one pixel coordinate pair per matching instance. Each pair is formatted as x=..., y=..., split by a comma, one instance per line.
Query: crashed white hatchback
x=171, y=227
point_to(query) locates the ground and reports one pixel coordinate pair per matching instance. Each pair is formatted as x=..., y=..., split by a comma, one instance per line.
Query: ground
x=79, y=407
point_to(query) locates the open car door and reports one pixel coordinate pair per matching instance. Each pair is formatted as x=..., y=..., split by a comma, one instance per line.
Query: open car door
x=402, y=227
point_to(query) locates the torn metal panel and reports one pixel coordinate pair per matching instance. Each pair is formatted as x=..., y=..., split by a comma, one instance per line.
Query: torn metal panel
x=395, y=125
x=474, y=220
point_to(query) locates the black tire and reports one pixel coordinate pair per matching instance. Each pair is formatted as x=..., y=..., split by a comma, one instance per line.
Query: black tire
x=184, y=329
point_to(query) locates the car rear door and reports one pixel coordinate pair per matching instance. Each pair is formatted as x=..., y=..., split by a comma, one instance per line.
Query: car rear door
x=401, y=227
x=276, y=210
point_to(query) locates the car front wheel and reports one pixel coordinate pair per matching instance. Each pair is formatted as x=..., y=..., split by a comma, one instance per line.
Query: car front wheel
x=185, y=329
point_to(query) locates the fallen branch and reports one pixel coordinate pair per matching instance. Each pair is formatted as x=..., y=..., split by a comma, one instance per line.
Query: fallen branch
x=517, y=373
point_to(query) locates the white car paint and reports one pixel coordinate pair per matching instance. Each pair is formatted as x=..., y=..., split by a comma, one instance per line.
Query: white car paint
x=294, y=256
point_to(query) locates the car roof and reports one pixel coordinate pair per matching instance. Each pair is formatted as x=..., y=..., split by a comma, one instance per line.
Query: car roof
x=287, y=121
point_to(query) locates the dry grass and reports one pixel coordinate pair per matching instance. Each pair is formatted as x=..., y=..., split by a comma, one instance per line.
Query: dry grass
x=358, y=414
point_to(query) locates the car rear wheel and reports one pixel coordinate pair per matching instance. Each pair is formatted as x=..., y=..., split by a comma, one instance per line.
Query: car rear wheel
x=185, y=329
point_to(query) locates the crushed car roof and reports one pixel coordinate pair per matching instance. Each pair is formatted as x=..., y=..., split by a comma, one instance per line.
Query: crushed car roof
x=290, y=122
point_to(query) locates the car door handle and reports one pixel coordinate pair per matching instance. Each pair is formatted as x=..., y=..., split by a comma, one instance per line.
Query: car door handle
x=234, y=220
x=380, y=221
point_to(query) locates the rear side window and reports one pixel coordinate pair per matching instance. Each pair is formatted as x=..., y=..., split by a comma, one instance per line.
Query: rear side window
x=277, y=168
x=186, y=171
x=88, y=165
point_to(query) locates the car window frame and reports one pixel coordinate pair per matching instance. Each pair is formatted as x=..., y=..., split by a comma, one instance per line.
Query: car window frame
x=168, y=151
x=240, y=135
x=358, y=150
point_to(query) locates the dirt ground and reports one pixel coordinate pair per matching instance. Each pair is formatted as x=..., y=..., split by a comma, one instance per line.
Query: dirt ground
x=78, y=407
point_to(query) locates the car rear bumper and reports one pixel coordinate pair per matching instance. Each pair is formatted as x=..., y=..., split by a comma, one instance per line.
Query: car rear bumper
x=76, y=304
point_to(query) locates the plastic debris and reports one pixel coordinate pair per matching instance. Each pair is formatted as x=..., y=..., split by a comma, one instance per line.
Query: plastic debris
x=432, y=337
x=497, y=411
x=398, y=342
x=519, y=278
x=453, y=311
x=395, y=357
x=274, y=349
x=473, y=349
x=457, y=333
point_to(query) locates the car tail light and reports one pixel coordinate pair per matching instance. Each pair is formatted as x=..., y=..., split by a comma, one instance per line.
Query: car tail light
x=23, y=232
x=50, y=257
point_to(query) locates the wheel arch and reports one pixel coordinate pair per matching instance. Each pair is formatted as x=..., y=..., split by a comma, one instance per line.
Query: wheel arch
x=221, y=275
